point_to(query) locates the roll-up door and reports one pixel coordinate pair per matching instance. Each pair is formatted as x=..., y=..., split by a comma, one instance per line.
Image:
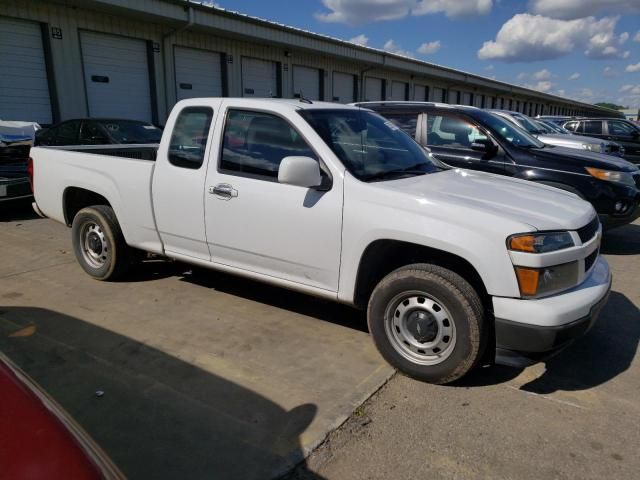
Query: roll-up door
x=453, y=97
x=24, y=90
x=306, y=82
x=373, y=89
x=420, y=93
x=438, y=95
x=466, y=98
x=399, y=91
x=198, y=73
x=259, y=78
x=344, y=87
x=477, y=100
x=116, y=75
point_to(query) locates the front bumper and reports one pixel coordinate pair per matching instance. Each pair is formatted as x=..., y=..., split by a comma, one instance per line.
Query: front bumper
x=530, y=330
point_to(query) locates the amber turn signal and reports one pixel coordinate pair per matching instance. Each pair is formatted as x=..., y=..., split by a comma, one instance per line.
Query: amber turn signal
x=528, y=280
x=523, y=243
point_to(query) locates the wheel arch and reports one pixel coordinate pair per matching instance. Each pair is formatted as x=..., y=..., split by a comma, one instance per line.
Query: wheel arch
x=383, y=256
x=75, y=199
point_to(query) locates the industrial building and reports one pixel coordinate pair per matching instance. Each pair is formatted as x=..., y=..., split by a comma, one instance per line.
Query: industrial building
x=136, y=58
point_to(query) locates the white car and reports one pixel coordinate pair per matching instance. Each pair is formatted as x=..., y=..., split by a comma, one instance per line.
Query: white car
x=581, y=142
x=337, y=202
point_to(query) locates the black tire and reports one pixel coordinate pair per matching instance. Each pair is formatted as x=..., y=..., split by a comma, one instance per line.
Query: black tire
x=444, y=290
x=114, y=253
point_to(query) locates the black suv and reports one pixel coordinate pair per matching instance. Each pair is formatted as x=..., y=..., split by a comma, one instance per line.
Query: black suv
x=472, y=138
x=619, y=130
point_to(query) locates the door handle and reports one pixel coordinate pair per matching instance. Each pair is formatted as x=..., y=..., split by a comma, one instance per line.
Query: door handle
x=224, y=190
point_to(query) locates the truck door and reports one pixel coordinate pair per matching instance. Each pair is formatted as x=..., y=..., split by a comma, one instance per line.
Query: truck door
x=179, y=180
x=256, y=224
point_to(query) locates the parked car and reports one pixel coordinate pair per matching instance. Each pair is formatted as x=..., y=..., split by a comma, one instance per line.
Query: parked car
x=14, y=156
x=561, y=140
x=336, y=201
x=622, y=131
x=476, y=139
x=39, y=439
x=552, y=127
x=99, y=131
x=557, y=119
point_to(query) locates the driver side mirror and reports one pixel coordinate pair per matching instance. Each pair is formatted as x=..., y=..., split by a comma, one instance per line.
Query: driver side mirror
x=484, y=145
x=300, y=171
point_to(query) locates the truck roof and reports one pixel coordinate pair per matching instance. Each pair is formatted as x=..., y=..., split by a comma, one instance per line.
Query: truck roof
x=294, y=103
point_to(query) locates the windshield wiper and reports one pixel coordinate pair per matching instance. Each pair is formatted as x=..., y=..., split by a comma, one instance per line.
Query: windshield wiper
x=411, y=170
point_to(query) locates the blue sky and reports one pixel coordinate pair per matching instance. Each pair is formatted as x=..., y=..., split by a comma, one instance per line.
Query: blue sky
x=583, y=49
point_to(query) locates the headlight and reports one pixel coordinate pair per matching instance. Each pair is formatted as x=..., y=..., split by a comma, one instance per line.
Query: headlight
x=538, y=282
x=594, y=147
x=540, y=242
x=623, y=178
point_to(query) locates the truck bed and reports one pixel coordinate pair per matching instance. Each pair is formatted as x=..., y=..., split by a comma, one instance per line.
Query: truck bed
x=116, y=172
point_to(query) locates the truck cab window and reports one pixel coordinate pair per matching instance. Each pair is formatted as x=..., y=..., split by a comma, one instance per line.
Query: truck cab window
x=189, y=137
x=454, y=132
x=255, y=143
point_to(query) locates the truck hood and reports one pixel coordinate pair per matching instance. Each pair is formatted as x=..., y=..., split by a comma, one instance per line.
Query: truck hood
x=583, y=158
x=496, y=196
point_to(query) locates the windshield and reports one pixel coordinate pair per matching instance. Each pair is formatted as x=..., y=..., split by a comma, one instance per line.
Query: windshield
x=370, y=146
x=507, y=130
x=528, y=125
x=552, y=127
x=131, y=131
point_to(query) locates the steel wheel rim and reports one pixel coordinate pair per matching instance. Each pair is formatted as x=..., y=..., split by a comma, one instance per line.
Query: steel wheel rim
x=420, y=328
x=94, y=245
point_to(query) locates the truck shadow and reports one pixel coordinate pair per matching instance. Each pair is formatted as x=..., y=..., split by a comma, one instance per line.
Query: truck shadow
x=325, y=310
x=622, y=241
x=602, y=354
x=159, y=417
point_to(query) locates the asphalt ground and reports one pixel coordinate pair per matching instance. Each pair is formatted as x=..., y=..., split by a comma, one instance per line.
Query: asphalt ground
x=206, y=375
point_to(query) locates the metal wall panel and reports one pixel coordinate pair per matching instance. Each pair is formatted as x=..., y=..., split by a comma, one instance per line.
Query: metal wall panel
x=24, y=89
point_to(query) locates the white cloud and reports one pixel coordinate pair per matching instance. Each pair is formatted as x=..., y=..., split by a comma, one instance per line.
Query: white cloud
x=358, y=12
x=453, y=8
x=574, y=76
x=361, y=39
x=573, y=9
x=429, y=48
x=542, y=86
x=584, y=95
x=633, y=68
x=543, y=74
x=631, y=89
x=489, y=68
x=393, y=47
x=560, y=92
x=624, y=36
x=636, y=37
x=609, y=72
x=526, y=38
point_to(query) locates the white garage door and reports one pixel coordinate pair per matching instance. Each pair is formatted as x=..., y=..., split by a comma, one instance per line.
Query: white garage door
x=198, y=73
x=438, y=95
x=477, y=100
x=24, y=91
x=306, y=82
x=398, y=91
x=420, y=93
x=373, y=89
x=116, y=75
x=466, y=98
x=343, y=87
x=259, y=78
x=453, y=97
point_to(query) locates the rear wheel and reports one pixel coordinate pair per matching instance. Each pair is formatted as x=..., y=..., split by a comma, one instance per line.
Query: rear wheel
x=428, y=322
x=98, y=243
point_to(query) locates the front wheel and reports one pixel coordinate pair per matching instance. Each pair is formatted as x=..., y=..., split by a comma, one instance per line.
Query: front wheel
x=98, y=243
x=428, y=322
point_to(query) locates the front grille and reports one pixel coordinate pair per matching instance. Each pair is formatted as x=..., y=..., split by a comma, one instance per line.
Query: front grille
x=590, y=260
x=589, y=231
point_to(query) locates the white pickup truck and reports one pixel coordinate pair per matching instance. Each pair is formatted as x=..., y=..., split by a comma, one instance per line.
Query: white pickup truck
x=454, y=267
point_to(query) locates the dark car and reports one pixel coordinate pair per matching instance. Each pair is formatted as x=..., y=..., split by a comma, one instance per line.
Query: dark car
x=99, y=131
x=619, y=130
x=472, y=138
x=14, y=178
